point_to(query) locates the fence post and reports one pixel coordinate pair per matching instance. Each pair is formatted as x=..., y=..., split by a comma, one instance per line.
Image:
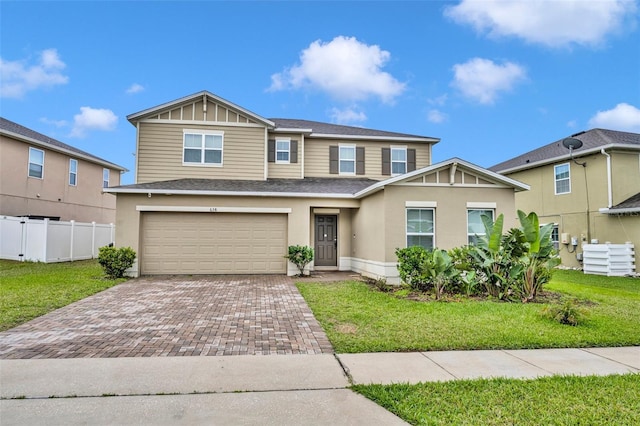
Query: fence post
x=93, y=240
x=112, y=228
x=73, y=227
x=46, y=243
x=24, y=222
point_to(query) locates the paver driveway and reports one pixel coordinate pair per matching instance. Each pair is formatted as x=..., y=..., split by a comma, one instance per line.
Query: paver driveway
x=175, y=316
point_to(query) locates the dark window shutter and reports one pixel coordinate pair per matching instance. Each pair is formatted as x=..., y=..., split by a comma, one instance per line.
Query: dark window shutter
x=333, y=160
x=271, y=151
x=293, y=154
x=360, y=160
x=411, y=160
x=386, y=161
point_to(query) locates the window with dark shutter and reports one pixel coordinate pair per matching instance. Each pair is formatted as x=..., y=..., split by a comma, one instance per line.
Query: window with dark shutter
x=386, y=161
x=360, y=160
x=333, y=160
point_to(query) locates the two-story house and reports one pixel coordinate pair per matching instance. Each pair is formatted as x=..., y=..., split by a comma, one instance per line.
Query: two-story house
x=222, y=190
x=591, y=193
x=41, y=177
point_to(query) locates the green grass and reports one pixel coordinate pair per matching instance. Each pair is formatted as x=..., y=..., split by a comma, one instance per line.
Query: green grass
x=554, y=400
x=357, y=318
x=28, y=289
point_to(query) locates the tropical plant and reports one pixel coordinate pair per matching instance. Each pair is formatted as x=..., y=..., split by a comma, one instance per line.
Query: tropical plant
x=115, y=261
x=441, y=271
x=300, y=256
x=567, y=313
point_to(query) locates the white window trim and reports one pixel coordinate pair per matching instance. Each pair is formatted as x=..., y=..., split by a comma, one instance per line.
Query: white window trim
x=71, y=172
x=407, y=233
x=391, y=161
x=555, y=179
x=32, y=162
x=107, y=173
x=288, y=150
x=203, y=133
x=493, y=217
x=340, y=160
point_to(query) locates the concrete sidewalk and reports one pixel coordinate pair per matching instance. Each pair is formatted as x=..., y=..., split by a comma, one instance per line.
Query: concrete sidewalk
x=280, y=389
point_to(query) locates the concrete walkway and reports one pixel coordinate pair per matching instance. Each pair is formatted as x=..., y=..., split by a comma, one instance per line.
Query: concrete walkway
x=282, y=389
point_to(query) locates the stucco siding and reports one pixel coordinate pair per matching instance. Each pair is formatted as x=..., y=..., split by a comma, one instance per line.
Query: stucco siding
x=368, y=224
x=160, y=153
x=316, y=156
x=625, y=175
x=52, y=195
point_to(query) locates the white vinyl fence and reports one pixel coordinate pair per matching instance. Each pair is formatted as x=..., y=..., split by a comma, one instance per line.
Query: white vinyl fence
x=52, y=241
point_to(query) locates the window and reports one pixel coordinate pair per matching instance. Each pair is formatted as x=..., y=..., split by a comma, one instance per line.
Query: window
x=398, y=161
x=203, y=148
x=563, y=179
x=475, y=227
x=36, y=163
x=105, y=178
x=420, y=226
x=282, y=150
x=555, y=237
x=73, y=172
x=347, y=160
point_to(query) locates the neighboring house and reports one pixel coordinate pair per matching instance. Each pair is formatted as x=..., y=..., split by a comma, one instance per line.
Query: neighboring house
x=41, y=177
x=593, y=197
x=221, y=190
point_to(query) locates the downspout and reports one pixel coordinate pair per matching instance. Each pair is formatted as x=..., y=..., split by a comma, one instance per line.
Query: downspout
x=609, y=191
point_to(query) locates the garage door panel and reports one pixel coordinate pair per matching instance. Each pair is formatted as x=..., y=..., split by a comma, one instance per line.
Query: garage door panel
x=203, y=243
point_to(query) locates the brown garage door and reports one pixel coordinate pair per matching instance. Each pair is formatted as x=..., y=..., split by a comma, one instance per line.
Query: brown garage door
x=213, y=243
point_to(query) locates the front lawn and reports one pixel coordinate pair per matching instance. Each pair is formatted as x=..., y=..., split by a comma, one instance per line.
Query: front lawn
x=28, y=289
x=546, y=401
x=358, y=318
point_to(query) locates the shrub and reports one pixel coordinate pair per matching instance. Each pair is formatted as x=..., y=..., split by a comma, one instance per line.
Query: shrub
x=300, y=256
x=411, y=267
x=115, y=261
x=567, y=313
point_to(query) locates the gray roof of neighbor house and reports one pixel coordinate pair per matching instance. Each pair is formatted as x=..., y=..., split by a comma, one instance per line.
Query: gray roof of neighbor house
x=269, y=187
x=593, y=141
x=318, y=128
x=630, y=205
x=25, y=134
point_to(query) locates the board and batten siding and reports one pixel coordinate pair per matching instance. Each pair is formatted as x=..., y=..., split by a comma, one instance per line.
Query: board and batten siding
x=160, y=147
x=194, y=110
x=316, y=156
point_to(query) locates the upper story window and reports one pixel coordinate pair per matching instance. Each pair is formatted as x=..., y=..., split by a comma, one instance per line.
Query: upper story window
x=73, y=172
x=105, y=178
x=562, y=179
x=398, y=160
x=283, y=150
x=475, y=227
x=347, y=160
x=36, y=163
x=420, y=228
x=202, y=148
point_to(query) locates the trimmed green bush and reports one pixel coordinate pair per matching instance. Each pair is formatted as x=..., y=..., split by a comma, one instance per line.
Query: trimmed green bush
x=300, y=256
x=115, y=261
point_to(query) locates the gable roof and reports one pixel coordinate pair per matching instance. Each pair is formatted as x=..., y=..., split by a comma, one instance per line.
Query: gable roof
x=154, y=110
x=488, y=174
x=16, y=131
x=327, y=130
x=593, y=141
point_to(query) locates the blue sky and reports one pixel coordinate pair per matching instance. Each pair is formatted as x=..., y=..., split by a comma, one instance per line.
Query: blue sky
x=492, y=79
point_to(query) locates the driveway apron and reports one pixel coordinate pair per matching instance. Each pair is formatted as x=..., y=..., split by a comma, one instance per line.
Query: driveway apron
x=175, y=316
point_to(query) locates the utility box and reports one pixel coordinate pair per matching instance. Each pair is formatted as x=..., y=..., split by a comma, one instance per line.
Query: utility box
x=609, y=259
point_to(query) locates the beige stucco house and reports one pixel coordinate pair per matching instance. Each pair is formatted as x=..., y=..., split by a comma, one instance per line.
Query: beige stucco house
x=222, y=190
x=591, y=194
x=41, y=177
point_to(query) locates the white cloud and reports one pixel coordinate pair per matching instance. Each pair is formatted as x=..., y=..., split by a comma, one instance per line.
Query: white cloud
x=56, y=123
x=439, y=101
x=344, y=68
x=135, y=88
x=93, y=119
x=551, y=23
x=483, y=80
x=18, y=77
x=622, y=117
x=572, y=124
x=347, y=115
x=436, y=116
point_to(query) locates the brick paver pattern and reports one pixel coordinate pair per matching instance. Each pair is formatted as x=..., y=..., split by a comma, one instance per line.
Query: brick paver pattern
x=175, y=316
